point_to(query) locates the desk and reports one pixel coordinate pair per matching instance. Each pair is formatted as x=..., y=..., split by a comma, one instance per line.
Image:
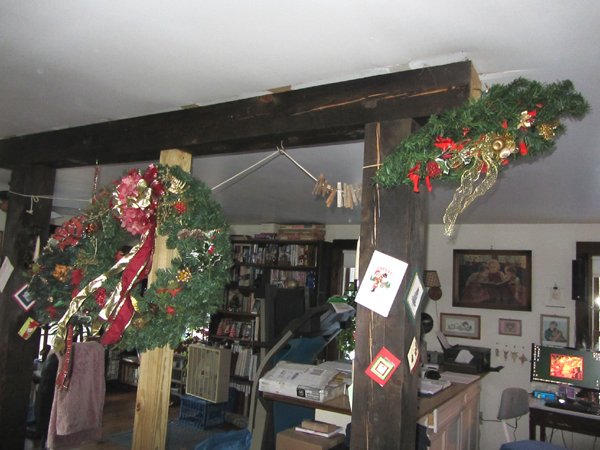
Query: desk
x=451, y=416
x=544, y=416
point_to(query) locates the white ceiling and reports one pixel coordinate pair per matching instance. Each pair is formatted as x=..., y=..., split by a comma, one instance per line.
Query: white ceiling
x=68, y=63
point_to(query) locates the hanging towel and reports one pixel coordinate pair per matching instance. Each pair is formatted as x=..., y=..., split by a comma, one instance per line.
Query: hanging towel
x=77, y=411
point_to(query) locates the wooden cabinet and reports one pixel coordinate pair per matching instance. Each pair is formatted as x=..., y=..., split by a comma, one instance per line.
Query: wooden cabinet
x=455, y=423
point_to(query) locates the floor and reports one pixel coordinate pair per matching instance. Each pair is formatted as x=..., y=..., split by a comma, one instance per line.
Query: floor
x=119, y=413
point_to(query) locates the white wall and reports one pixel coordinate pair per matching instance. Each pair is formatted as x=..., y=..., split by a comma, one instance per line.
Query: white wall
x=553, y=248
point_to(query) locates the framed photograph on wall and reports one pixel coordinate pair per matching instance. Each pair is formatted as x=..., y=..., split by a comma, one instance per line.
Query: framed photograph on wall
x=461, y=325
x=495, y=279
x=554, y=330
x=509, y=327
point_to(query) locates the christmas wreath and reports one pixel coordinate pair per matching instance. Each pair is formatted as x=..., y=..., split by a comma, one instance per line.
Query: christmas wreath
x=471, y=144
x=94, y=267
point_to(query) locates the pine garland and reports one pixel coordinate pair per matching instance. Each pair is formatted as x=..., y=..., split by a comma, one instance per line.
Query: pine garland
x=181, y=297
x=501, y=111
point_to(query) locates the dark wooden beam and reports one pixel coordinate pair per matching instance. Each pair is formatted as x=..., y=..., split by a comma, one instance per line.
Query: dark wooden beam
x=394, y=222
x=315, y=115
x=16, y=354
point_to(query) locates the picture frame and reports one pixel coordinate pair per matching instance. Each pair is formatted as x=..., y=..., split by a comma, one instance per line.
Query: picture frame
x=494, y=279
x=415, y=295
x=554, y=330
x=510, y=327
x=460, y=325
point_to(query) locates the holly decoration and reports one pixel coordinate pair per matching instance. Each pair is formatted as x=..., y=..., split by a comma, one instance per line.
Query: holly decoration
x=96, y=264
x=472, y=143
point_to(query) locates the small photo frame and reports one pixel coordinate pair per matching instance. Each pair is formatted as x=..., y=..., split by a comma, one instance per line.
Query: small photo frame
x=554, y=330
x=415, y=295
x=461, y=325
x=509, y=327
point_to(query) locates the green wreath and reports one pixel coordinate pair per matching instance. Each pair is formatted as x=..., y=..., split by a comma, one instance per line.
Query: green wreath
x=472, y=143
x=94, y=267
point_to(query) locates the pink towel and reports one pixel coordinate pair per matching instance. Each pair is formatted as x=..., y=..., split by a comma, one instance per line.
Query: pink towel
x=77, y=412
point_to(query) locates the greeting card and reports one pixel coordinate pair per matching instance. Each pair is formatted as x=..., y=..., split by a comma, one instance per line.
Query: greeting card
x=381, y=283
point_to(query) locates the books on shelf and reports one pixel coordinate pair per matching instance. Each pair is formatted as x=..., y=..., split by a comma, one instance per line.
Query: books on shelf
x=275, y=254
x=237, y=329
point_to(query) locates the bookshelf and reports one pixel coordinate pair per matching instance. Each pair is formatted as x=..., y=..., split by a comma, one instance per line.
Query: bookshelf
x=264, y=271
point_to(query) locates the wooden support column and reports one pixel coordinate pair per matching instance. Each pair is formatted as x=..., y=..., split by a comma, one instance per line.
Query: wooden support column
x=154, y=382
x=393, y=222
x=16, y=354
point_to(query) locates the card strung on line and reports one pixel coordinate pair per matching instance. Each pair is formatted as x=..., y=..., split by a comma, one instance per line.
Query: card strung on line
x=413, y=354
x=23, y=298
x=381, y=283
x=382, y=367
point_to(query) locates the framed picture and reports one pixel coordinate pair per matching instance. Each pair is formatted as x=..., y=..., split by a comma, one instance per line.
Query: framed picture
x=460, y=325
x=554, y=330
x=509, y=327
x=495, y=279
x=415, y=295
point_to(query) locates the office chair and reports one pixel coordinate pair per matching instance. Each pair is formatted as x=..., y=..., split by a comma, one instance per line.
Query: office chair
x=514, y=403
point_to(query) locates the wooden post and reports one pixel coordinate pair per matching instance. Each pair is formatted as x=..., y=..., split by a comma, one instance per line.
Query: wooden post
x=393, y=222
x=16, y=354
x=154, y=382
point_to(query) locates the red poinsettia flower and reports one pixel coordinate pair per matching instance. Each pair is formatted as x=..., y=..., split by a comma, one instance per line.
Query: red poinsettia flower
x=170, y=310
x=433, y=169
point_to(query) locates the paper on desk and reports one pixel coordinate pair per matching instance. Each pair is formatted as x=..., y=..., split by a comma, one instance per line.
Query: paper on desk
x=463, y=357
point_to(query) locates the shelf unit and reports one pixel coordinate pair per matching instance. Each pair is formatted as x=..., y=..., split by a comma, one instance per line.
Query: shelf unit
x=266, y=273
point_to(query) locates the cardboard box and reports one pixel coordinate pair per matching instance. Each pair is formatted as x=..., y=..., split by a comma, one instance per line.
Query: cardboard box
x=291, y=439
x=307, y=381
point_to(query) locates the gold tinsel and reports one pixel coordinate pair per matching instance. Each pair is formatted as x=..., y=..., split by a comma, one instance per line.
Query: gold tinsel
x=486, y=156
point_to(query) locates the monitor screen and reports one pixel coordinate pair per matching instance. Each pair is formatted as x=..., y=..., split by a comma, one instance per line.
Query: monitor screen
x=580, y=368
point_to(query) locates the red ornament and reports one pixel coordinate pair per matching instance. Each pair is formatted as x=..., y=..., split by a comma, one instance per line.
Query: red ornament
x=433, y=169
x=170, y=310
x=180, y=207
x=212, y=249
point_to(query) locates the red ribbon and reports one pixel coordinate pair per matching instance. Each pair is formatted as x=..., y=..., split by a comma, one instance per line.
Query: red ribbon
x=64, y=375
x=414, y=177
x=137, y=269
x=523, y=148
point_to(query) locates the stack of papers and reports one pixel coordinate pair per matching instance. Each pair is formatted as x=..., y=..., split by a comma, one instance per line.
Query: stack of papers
x=430, y=387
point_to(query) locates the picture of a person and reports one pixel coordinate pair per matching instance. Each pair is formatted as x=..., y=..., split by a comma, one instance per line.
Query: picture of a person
x=553, y=333
x=379, y=280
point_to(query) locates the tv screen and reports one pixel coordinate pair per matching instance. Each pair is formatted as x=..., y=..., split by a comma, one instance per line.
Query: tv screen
x=580, y=368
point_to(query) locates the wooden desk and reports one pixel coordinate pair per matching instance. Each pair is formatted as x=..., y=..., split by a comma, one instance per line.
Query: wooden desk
x=451, y=416
x=543, y=416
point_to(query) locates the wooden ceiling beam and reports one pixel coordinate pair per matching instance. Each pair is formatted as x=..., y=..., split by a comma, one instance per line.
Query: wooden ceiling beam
x=315, y=115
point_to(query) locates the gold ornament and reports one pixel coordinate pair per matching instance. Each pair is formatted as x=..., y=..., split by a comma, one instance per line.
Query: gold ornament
x=184, y=275
x=504, y=145
x=61, y=272
x=176, y=186
x=548, y=130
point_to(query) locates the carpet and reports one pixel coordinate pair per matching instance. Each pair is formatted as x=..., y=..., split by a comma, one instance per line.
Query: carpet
x=180, y=436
